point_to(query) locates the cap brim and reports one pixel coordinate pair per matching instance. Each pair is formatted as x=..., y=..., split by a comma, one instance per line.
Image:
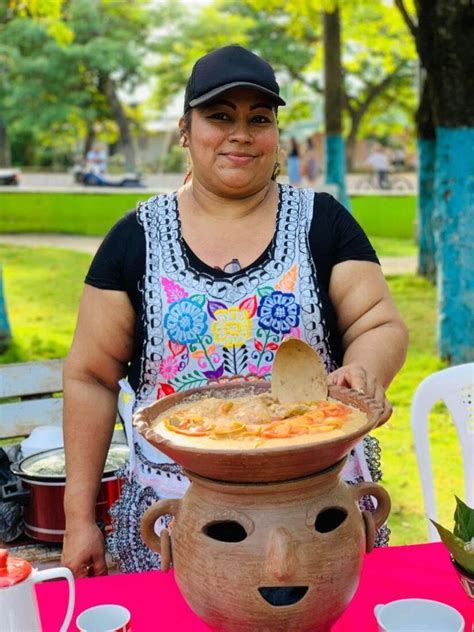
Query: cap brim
x=209, y=96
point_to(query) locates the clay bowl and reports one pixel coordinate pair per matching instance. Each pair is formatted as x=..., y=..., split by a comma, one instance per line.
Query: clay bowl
x=258, y=464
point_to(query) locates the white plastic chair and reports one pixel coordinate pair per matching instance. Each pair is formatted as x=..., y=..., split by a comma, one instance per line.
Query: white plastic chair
x=455, y=387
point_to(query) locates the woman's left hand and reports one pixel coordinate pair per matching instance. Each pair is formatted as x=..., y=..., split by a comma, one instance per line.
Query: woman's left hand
x=356, y=377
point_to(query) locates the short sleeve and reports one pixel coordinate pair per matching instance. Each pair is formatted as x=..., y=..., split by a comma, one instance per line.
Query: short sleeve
x=119, y=261
x=335, y=236
x=349, y=239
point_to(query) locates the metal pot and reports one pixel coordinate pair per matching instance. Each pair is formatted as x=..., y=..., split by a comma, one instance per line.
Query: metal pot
x=43, y=478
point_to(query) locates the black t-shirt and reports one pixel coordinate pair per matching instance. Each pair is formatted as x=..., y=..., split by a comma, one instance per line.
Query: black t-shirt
x=334, y=237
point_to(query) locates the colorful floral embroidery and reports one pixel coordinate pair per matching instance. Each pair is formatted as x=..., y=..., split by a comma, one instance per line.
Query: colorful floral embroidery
x=232, y=326
x=174, y=292
x=218, y=337
x=201, y=327
x=185, y=321
x=169, y=367
x=278, y=312
x=287, y=283
x=205, y=356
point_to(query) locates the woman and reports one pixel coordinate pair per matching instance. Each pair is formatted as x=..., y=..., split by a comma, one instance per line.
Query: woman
x=294, y=163
x=205, y=283
x=310, y=163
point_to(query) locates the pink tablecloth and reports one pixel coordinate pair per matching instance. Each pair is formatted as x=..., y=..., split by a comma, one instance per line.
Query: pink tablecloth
x=393, y=573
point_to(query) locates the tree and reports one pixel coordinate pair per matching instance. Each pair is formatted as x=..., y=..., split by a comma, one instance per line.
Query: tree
x=50, y=12
x=289, y=34
x=56, y=87
x=443, y=33
x=110, y=42
x=5, y=331
x=46, y=12
x=378, y=66
x=426, y=144
x=333, y=88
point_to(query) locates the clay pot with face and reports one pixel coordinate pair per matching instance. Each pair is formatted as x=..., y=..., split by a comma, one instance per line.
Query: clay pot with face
x=277, y=557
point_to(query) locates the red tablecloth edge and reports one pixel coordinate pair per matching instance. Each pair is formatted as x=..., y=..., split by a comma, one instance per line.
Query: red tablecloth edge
x=384, y=578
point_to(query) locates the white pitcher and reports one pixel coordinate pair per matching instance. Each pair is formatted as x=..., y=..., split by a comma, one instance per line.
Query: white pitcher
x=18, y=606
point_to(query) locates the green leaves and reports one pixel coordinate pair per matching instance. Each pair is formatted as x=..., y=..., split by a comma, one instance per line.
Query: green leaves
x=53, y=60
x=462, y=534
x=463, y=521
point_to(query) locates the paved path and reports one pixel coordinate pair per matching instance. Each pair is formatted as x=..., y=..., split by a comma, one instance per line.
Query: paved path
x=171, y=181
x=390, y=265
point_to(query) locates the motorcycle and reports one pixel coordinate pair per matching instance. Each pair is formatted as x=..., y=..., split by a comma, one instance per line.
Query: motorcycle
x=90, y=178
x=9, y=177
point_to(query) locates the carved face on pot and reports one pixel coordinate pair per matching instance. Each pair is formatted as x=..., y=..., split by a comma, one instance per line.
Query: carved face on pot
x=273, y=556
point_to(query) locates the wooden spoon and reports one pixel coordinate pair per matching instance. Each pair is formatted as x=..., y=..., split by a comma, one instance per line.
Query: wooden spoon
x=298, y=373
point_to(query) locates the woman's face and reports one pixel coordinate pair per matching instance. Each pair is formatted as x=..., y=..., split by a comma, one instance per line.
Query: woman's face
x=233, y=143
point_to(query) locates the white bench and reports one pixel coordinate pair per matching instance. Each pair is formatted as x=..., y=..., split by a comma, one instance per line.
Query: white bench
x=31, y=396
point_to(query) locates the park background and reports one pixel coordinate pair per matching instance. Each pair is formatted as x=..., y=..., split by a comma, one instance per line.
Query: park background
x=354, y=74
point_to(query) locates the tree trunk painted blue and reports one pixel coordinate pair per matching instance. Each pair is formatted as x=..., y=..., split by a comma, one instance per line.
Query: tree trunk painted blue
x=5, y=332
x=335, y=166
x=426, y=204
x=454, y=235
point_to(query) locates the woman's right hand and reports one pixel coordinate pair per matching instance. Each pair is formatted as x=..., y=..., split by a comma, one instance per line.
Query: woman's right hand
x=84, y=551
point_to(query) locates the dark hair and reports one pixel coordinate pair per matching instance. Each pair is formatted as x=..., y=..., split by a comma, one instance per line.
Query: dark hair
x=294, y=147
x=187, y=117
x=310, y=143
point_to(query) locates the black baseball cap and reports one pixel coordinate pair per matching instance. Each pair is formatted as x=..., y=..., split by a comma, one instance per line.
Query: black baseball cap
x=226, y=68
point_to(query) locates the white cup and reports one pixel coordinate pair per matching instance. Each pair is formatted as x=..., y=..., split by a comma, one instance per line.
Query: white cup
x=418, y=615
x=105, y=618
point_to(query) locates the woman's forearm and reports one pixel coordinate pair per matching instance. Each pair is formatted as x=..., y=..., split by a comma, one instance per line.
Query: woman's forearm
x=381, y=351
x=90, y=410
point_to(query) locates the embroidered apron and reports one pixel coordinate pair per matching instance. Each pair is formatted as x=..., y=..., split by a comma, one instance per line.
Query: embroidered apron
x=199, y=327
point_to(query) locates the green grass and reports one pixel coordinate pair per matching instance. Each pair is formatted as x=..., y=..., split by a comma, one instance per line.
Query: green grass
x=72, y=213
x=416, y=300
x=85, y=213
x=386, y=216
x=393, y=246
x=43, y=287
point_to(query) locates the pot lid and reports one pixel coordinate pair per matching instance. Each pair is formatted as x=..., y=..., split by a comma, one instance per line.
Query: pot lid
x=51, y=463
x=13, y=570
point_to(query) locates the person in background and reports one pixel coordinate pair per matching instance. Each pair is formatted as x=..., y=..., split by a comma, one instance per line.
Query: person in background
x=96, y=159
x=398, y=158
x=205, y=283
x=380, y=164
x=310, y=164
x=294, y=163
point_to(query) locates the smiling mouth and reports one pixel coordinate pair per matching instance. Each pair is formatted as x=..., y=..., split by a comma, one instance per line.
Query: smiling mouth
x=240, y=158
x=283, y=595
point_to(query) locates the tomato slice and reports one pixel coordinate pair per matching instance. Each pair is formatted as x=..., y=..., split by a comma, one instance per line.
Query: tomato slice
x=332, y=409
x=277, y=430
x=185, y=427
x=229, y=429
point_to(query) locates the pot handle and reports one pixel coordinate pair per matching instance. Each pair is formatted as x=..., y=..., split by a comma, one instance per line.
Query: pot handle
x=15, y=468
x=159, y=543
x=56, y=573
x=383, y=500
